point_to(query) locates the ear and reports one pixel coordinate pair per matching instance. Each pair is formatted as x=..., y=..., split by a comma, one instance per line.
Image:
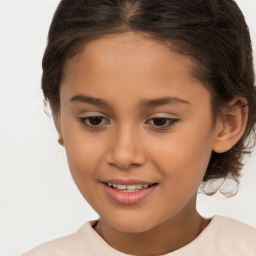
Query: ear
x=57, y=122
x=58, y=128
x=232, y=125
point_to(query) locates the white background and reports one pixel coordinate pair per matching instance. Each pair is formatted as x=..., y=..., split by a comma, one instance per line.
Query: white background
x=38, y=199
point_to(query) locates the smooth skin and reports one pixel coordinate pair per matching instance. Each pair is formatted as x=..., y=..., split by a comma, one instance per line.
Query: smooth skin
x=129, y=141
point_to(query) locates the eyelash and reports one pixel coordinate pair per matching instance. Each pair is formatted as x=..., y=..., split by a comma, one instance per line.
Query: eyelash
x=172, y=122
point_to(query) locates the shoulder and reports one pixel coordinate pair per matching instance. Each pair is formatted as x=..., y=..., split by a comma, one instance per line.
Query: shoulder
x=234, y=228
x=64, y=246
x=85, y=241
x=227, y=236
x=223, y=236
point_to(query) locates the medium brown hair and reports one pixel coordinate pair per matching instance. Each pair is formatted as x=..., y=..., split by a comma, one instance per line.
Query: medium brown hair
x=212, y=32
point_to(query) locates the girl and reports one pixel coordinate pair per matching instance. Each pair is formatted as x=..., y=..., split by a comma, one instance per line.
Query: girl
x=151, y=99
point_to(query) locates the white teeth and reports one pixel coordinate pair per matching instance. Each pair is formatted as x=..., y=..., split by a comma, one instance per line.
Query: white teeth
x=131, y=187
x=121, y=186
x=128, y=188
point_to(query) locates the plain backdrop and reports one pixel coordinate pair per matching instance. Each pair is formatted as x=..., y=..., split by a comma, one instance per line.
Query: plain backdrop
x=38, y=198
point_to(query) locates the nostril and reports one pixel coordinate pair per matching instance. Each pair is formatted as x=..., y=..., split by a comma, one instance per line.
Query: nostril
x=125, y=158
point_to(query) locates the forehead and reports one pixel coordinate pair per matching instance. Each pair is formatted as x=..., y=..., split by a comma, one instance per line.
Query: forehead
x=131, y=65
x=132, y=50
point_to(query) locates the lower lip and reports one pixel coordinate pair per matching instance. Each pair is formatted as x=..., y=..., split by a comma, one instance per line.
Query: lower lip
x=128, y=198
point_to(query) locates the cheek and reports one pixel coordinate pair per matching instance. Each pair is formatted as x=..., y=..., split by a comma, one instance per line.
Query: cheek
x=83, y=149
x=185, y=155
x=82, y=155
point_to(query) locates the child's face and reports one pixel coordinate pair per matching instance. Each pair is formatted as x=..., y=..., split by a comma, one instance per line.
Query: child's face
x=124, y=71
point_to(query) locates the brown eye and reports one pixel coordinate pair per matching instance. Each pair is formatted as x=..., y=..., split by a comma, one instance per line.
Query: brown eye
x=93, y=121
x=159, y=121
x=162, y=122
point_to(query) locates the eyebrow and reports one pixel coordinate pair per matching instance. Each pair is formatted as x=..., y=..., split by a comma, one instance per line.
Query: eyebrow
x=145, y=103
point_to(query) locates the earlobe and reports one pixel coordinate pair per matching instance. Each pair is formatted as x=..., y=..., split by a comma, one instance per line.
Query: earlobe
x=60, y=139
x=232, y=125
x=57, y=122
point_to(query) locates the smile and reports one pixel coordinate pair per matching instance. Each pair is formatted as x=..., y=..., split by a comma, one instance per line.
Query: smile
x=125, y=194
x=129, y=188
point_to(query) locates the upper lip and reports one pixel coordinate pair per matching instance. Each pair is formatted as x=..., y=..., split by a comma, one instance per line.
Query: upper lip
x=127, y=182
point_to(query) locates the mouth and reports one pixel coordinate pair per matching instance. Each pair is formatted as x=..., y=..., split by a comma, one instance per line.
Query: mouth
x=129, y=188
x=128, y=192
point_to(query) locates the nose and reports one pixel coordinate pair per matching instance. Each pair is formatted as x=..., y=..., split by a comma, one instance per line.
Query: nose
x=126, y=149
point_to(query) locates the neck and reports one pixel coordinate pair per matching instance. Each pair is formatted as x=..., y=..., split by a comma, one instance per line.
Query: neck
x=169, y=236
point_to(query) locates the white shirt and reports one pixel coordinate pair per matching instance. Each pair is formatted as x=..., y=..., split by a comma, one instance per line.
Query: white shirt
x=222, y=237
